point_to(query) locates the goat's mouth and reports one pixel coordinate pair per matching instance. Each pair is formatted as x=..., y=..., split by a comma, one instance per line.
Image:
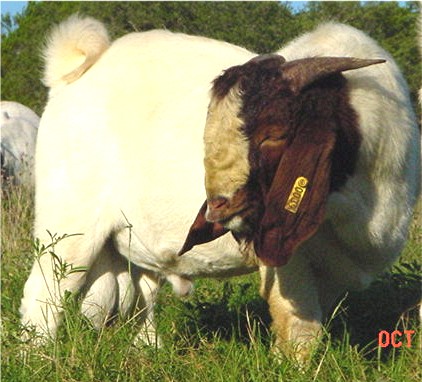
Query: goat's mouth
x=223, y=215
x=239, y=220
x=239, y=213
x=221, y=209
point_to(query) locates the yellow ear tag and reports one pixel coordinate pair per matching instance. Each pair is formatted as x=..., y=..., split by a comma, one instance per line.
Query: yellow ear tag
x=296, y=195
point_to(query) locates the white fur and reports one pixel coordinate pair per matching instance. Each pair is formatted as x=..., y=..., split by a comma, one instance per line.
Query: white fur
x=19, y=126
x=73, y=46
x=120, y=159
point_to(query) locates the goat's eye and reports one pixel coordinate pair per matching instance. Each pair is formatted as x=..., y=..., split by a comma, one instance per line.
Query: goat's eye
x=270, y=152
x=275, y=141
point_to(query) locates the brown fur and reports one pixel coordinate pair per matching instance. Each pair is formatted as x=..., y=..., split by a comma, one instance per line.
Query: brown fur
x=317, y=139
x=296, y=127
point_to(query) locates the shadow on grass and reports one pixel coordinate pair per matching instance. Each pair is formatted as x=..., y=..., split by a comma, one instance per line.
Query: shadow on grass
x=226, y=309
x=391, y=303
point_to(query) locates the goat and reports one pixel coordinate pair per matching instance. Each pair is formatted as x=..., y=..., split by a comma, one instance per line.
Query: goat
x=119, y=159
x=19, y=126
x=315, y=170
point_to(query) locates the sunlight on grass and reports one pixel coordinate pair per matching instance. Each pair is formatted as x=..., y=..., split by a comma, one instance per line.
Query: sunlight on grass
x=220, y=333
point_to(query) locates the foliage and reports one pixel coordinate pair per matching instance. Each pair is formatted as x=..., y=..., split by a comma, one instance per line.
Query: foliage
x=391, y=24
x=258, y=26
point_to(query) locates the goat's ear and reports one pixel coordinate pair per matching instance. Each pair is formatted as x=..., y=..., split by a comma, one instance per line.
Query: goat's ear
x=295, y=202
x=202, y=231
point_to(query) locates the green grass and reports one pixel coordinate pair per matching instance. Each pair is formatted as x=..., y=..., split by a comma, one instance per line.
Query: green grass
x=220, y=333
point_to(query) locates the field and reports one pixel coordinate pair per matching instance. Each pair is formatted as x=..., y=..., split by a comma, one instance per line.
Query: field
x=220, y=333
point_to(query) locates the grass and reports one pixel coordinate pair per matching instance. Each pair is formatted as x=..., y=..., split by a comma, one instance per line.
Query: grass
x=220, y=333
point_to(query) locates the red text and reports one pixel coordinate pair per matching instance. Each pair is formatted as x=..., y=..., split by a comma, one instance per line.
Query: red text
x=395, y=339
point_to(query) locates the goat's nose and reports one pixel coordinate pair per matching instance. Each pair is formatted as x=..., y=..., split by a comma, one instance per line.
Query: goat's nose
x=216, y=208
x=218, y=203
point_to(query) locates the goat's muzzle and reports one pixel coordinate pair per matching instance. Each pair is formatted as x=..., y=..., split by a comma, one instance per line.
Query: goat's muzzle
x=217, y=209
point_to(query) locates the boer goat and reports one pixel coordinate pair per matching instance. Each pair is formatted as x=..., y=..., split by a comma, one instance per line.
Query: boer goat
x=311, y=176
x=19, y=126
x=119, y=160
x=301, y=161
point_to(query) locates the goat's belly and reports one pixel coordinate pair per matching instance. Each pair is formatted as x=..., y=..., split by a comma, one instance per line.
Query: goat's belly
x=220, y=258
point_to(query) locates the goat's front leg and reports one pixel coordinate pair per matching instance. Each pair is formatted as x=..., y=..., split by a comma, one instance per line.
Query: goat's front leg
x=294, y=306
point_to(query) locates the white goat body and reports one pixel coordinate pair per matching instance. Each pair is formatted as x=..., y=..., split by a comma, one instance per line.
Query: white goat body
x=120, y=160
x=119, y=157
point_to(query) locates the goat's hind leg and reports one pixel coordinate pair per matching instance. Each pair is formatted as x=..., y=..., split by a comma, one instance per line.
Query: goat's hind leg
x=109, y=290
x=116, y=287
x=147, y=287
x=60, y=266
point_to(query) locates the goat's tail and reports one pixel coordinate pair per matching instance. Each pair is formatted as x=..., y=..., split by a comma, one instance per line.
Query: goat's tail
x=72, y=48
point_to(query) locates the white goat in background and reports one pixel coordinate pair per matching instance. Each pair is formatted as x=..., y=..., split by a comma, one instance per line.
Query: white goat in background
x=19, y=126
x=120, y=161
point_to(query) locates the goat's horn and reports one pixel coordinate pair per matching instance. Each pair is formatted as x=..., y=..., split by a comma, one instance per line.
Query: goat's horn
x=267, y=57
x=303, y=72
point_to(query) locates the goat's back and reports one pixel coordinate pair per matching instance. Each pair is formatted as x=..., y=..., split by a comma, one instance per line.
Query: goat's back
x=125, y=140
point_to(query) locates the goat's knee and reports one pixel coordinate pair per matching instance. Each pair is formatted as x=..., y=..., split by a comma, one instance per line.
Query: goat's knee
x=295, y=311
x=295, y=335
x=60, y=267
x=148, y=286
x=42, y=303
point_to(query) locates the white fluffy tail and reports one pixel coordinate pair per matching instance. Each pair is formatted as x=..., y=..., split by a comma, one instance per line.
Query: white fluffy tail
x=72, y=48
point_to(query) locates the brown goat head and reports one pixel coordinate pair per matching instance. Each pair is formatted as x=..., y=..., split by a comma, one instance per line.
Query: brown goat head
x=279, y=137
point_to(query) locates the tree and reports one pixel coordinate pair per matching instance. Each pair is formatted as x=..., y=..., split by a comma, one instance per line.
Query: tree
x=258, y=26
x=6, y=24
x=392, y=25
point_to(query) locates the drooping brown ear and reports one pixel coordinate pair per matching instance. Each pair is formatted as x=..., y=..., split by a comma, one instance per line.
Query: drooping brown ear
x=202, y=231
x=295, y=202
